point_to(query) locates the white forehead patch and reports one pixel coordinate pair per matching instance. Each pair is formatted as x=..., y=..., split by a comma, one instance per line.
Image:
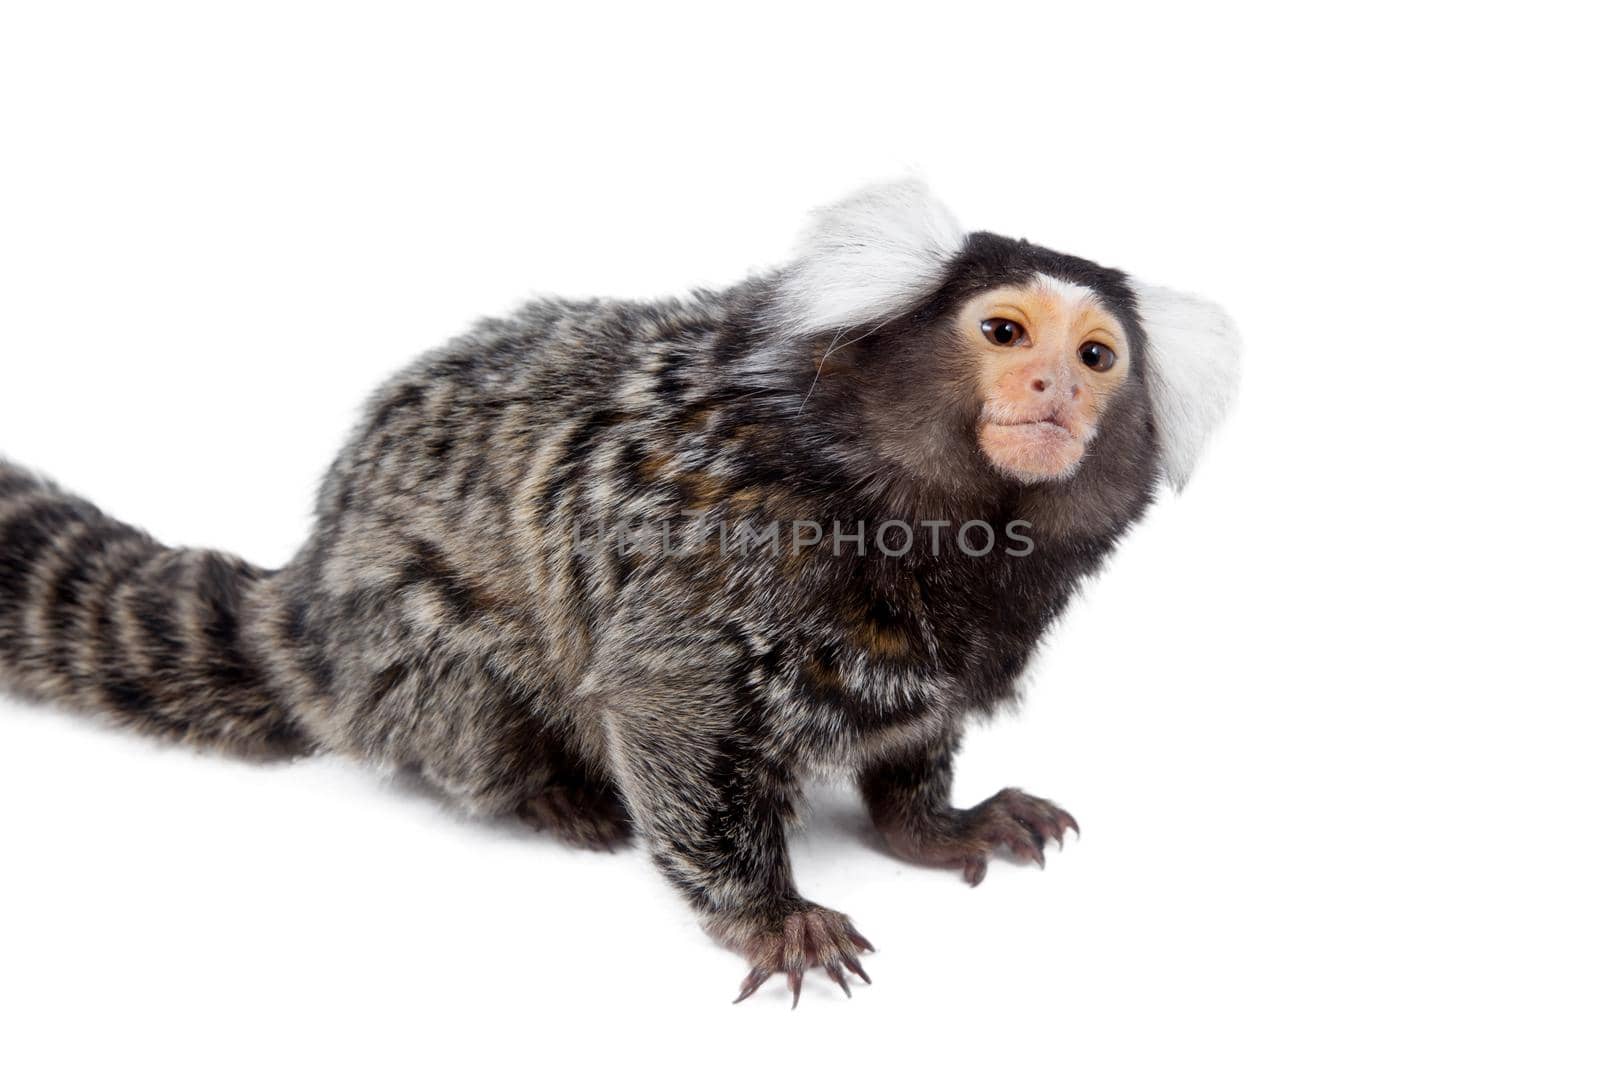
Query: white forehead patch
x=1072, y=295
x=866, y=259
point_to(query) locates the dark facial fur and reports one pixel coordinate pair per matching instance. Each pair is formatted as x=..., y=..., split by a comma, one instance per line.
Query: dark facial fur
x=443, y=618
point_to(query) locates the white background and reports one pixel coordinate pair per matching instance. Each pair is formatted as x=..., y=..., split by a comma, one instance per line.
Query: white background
x=1328, y=719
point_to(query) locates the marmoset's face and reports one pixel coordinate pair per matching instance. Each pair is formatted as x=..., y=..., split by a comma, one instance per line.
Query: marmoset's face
x=1013, y=375
x=1046, y=359
x=955, y=371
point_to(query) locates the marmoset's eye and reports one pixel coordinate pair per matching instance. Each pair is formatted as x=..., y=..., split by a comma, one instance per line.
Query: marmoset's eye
x=1003, y=331
x=1097, y=356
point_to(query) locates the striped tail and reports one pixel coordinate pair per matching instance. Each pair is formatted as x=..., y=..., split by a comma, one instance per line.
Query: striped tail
x=96, y=614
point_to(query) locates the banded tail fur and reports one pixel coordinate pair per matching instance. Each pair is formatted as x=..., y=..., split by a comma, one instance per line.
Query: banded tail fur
x=96, y=614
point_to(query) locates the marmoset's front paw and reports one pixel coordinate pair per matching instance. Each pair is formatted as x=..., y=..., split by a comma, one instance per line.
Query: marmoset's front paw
x=1010, y=818
x=797, y=938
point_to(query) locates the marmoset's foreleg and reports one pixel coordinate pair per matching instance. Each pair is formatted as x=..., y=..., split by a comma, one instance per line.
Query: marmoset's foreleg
x=909, y=799
x=711, y=801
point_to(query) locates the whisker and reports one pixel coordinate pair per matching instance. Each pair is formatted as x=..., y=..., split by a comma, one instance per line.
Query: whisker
x=835, y=346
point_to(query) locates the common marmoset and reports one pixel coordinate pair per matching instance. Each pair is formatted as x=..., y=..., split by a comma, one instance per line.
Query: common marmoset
x=639, y=569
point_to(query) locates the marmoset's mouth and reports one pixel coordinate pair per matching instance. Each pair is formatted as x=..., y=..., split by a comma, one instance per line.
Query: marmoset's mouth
x=1049, y=422
x=1037, y=450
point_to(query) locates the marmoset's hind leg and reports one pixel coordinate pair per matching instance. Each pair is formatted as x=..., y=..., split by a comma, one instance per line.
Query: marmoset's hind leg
x=527, y=768
x=491, y=743
x=525, y=763
x=579, y=807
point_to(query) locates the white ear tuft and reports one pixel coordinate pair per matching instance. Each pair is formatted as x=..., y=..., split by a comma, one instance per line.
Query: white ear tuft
x=1193, y=362
x=867, y=258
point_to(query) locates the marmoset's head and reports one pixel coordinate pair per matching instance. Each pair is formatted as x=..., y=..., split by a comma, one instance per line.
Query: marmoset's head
x=973, y=362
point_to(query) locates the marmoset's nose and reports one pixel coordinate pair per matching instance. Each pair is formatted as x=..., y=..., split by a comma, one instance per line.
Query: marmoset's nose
x=1049, y=376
